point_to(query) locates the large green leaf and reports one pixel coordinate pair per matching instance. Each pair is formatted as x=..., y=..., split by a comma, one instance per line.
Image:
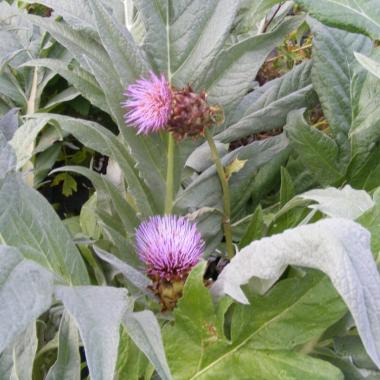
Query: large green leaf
x=266, y=108
x=67, y=365
x=319, y=152
x=369, y=64
x=8, y=160
x=334, y=62
x=75, y=12
x=183, y=37
x=271, y=365
x=345, y=203
x=371, y=221
x=311, y=305
x=16, y=361
x=192, y=52
x=234, y=68
x=98, y=312
x=261, y=332
x=364, y=133
x=79, y=43
x=28, y=222
x=10, y=90
x=23, y=141
x=125, y=54
x=195, y=324
x=353, y=15
x=9, y=124
x=26, y=291
x=343, y=254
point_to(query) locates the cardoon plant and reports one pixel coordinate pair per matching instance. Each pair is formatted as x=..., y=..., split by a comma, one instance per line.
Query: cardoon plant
x=264, y=154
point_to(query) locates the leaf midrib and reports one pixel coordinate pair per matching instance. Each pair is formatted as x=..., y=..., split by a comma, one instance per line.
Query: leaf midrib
x=249, y=337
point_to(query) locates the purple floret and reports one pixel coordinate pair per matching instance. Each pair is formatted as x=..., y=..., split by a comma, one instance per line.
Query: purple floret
x=169, y=245
x=148, y=104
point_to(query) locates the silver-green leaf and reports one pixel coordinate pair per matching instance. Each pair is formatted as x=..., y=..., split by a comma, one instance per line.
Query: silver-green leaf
x=338, y=247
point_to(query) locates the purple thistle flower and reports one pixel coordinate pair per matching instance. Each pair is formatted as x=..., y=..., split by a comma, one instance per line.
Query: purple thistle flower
x=148, y=104
x=169, y=245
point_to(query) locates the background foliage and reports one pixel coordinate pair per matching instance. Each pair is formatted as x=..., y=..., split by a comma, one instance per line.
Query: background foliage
x=299, y=83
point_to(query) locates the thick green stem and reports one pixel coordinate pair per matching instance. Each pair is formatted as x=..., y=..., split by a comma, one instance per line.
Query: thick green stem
x=226, y=194
x=170, y=176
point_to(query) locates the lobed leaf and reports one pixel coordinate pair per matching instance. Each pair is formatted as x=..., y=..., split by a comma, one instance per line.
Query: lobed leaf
x=343, y=254
x=340, y=203
x=262, y=332
x=319, y=151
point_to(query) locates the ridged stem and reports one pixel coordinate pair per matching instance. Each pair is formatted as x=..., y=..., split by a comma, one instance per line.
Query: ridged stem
x=226, y=193
x=170, y=176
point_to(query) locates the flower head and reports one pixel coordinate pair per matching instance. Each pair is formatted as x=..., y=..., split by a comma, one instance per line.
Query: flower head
x=169, y=245
x=148, y=104
x=191, y=114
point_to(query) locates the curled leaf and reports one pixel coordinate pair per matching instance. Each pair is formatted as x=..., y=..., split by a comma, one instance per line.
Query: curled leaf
x=340, y=203
x=234, y=167
x=338, y=247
